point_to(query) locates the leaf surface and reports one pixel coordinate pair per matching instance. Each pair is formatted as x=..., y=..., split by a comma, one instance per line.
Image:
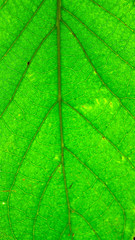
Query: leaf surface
x=67, y=120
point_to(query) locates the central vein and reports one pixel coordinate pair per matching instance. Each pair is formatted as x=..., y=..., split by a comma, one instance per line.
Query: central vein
x=60, y=105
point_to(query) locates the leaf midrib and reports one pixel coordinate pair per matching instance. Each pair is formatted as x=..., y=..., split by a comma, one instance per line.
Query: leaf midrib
x=59, y=102
x=107, y=87
x=58, y=24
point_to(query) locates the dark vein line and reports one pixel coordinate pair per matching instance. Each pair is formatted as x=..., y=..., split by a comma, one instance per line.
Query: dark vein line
x=22, y=30
x=115, y=198
x=23, y=212
x=60, y=105
x=38, y=208
x=98, y=37
x=112, y=15
x=18, y=85
x=100, y=133
x=18, y=169
x=128, y=98
x=26, y=193
x=3, y=4
x=88, y=58
x=73, y=211
x=103, y=213
x=61, y=235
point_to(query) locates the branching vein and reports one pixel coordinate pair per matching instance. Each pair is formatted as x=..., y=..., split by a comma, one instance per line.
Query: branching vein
x=18, y=169
x=98, y=37
x=40, y=5
x=95, y=70
x=114, y=197
x=133, y=167
x=113, y=15
x=42, y=195
x=26, y=69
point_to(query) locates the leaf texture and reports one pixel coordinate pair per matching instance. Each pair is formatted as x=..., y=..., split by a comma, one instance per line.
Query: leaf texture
x=67, y=120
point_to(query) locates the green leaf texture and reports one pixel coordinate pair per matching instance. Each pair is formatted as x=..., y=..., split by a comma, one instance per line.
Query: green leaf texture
x=67, y=117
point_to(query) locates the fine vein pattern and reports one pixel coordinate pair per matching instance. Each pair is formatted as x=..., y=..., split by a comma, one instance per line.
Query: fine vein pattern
x=67, y=120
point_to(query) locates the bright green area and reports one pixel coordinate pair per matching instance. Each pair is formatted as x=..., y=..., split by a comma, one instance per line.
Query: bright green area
x=67, y=120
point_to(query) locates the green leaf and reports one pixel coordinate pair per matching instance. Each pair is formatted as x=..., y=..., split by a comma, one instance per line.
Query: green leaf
x=67, y=135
